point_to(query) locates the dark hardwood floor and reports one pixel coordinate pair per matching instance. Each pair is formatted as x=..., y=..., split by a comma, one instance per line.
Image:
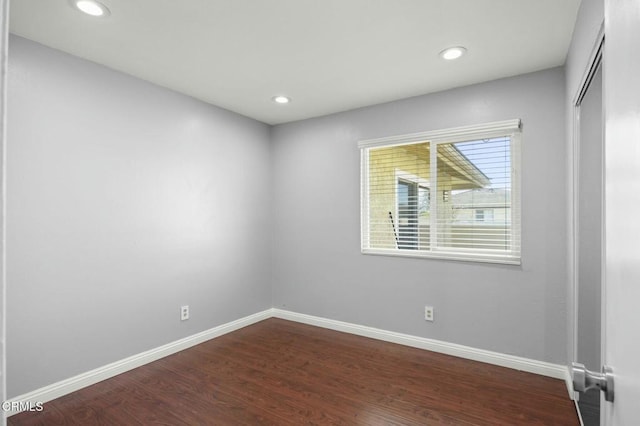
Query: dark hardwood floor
x=278, y=372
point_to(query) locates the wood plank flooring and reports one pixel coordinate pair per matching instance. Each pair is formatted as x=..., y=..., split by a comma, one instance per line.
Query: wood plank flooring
x=278, y=372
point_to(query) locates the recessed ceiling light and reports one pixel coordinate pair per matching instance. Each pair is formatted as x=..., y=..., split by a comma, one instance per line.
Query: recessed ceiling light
x=281, y=99
x=91, y=7
x=452, y=53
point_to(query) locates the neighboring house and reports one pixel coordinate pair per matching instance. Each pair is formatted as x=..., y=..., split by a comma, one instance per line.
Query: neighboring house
x=482, y=218
x=483, y=206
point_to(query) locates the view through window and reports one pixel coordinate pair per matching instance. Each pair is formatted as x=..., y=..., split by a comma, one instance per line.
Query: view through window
x=437, y=198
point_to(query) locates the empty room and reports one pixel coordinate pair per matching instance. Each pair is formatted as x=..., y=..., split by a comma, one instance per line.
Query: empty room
x=287, y=212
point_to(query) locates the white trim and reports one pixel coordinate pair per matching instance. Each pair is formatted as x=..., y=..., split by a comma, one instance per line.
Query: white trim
x=503, y=360
x=455, y=134
x=569, y=382
x=64, y=387
x=453, y=254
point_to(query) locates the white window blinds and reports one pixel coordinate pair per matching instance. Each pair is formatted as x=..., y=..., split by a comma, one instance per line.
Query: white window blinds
x=452, y=194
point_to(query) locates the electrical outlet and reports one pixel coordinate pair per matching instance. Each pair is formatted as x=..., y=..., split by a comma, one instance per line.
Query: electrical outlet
x=428, y=313
x=184, y=313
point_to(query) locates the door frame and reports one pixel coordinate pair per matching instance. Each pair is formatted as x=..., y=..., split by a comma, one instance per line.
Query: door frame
x=594, y=62
x=4, y=52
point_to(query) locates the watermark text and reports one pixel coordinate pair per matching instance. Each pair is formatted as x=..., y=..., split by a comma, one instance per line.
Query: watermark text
x=18, y=406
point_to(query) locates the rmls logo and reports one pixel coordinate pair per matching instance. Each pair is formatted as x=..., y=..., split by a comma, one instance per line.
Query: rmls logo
x=18, y=406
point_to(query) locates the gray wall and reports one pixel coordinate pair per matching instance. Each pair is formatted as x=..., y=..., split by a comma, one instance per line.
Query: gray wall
x=317, y=265
x=125, y=201
x=588, y=23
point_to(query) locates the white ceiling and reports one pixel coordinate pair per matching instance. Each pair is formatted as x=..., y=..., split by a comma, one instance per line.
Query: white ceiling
x=327, y=55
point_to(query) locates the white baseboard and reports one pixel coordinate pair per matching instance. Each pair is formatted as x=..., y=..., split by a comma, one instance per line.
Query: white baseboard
x=511, y=361
x=64, y=387
x=569, y=382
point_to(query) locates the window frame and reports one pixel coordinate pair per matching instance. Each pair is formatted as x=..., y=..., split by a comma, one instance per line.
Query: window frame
x=509, y=128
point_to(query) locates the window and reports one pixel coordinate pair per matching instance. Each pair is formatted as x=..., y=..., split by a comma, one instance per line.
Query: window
x=451, y=194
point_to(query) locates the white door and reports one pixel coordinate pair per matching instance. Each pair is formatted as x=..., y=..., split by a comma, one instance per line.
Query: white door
x=4, y=34
x=622, y=206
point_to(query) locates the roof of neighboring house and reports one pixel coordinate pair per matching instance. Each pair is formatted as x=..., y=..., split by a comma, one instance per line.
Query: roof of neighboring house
x=462, y=172
x=459, y=165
